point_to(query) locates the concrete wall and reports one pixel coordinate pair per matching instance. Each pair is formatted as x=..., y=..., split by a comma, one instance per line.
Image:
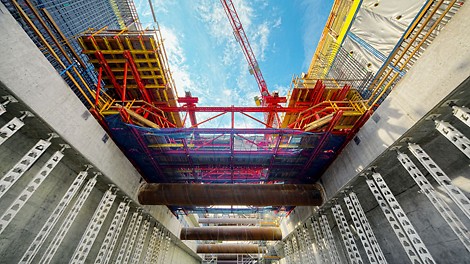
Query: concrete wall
x=27, y=75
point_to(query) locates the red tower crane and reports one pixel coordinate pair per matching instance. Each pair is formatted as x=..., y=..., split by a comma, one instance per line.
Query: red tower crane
x=266, y=98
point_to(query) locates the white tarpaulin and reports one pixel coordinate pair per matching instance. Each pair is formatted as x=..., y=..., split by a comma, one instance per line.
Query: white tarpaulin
x=378, y=27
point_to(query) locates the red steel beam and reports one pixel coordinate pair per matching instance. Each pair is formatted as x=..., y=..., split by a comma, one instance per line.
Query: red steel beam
x=322, y=142
x=136, y=75
x=104, y=64
x=98, y=86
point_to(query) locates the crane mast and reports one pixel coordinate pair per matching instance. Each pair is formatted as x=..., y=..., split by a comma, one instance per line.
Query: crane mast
x=245, y=45
x=266, y=98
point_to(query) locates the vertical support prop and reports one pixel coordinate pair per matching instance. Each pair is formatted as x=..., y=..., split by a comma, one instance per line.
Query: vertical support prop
x=130, y=248
x=152, y=245
x=8, y=99
x=15, y=124
x=293, y=252
x=297, y=250
x=308, y=245
x=127, y=236
x=441, y=177
x=320, y=242
x=30, y=189
x=116, y=236
x=65, y=226
x=166, y=248
x=346, y=235
x=401, y=225
x=53, y=219
x=302, y=248
x=23, y=165
x=441, y=206
x=462, y=113
x=329, y=239
x=454, y=136
x=109, y=242
x=140, y=242
x=287, y=252
x=158, y=249
x=93, y=228
x=364, y=230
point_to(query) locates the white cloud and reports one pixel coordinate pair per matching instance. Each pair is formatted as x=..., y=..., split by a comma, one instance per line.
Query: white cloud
x=261, y=40
x=277, y=23
x=176, y=59
x=313, y=25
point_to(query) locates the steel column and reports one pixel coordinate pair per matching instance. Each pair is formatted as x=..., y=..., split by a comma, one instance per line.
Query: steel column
x=8, y=99
x=29, y=190
x=109, y=242
x=308, y=245
x=454, y=136
x=167, y=243
x=462, y=113
x=441, y=177
x=330, y=240
x=287, y=252
x=231, y=194
x=140, y=242
x=320, y=242
x=53, y=219
x=158, y=250
x=151, y=246
x=302, y=247
x=10, y=128
x=65, y=226
x=296, y=250
x=441, y=206
x=135, y=231
x=346, y=235
x=23, y=165
x=93, y=228
x=127, y=236
x=364, y=230
x=401, y=225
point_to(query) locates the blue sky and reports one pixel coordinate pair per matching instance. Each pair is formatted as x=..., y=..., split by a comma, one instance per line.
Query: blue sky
x=206, y=59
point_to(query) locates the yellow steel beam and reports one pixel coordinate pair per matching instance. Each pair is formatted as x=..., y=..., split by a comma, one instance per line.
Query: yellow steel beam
x=124, y=61
x=138, y=69
x=139, y=118
x=156, y=77
x=118, y=52
x=99, y=31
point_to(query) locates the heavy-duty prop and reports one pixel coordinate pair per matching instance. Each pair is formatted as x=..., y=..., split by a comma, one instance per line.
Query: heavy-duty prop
x=231, y=233
x=229, y=248
x=230, y=194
